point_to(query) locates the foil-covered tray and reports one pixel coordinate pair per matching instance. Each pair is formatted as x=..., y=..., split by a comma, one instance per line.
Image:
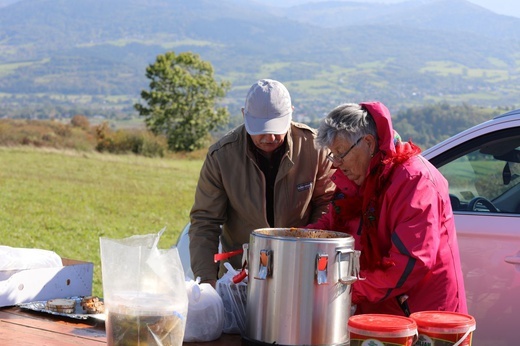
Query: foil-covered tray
x=79, y=313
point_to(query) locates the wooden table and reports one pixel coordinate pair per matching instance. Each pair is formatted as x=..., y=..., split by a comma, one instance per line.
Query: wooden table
x=30, y=328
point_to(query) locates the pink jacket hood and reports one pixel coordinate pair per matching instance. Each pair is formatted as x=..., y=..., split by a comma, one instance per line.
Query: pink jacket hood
x=387, y=139
x=383, y=120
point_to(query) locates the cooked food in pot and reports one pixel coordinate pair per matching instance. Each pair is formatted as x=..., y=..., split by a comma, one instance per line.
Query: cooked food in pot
x=300, y=233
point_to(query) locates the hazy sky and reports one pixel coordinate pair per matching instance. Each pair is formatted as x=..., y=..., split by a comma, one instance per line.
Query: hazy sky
x=506, y=7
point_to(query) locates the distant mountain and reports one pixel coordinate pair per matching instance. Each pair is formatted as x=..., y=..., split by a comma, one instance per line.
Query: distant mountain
x=504, y=7
x=4, y=3
x=328, y=52
x=442, y=15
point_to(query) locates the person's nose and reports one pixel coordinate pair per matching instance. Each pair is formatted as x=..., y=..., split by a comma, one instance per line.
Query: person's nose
x=336, y=164
x=270, y=138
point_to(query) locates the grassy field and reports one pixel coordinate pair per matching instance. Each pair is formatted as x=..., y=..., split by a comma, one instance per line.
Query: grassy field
x=65, y=200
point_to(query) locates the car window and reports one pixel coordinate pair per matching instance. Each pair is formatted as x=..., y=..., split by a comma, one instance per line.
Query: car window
x=485, y=179
x=462, y=178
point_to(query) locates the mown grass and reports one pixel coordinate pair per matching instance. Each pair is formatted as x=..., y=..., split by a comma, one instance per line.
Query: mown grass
x=65, y=200
x=446, y=68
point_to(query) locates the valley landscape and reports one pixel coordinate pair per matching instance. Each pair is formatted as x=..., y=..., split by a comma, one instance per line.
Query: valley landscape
x=89, y=56
x=435, y=63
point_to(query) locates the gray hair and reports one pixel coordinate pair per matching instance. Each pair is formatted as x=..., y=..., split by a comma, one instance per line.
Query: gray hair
x=349, y=121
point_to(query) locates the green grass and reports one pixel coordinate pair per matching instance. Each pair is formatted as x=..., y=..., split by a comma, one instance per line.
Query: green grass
x=445, y=68
x=64, y=201
x=6, y=69
x=165, y=41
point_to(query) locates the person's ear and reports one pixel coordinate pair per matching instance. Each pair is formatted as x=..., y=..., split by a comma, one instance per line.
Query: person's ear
x=372, y=144
x=243, y=114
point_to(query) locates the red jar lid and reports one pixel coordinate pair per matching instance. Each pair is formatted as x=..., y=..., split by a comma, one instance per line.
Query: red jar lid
x=382, y=325
x=443, y=321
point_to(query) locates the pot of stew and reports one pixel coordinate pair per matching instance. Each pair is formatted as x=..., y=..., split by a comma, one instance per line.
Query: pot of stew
x=299, y=289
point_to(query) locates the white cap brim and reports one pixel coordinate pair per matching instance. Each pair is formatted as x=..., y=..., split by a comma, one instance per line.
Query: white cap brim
x=262, y=126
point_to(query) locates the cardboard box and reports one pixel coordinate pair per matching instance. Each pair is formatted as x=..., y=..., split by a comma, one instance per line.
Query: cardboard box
x=73, y=279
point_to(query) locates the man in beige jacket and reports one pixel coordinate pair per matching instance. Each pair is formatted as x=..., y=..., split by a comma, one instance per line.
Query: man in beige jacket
x=267, y=172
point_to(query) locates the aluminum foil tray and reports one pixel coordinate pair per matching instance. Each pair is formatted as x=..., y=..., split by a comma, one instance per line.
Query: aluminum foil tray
x=79, y=313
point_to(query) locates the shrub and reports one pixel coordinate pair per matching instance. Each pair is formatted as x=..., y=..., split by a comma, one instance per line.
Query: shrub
x=80, y=121
x=53, y=134
x=39, y=133
x=139, y=142
x=153, y=145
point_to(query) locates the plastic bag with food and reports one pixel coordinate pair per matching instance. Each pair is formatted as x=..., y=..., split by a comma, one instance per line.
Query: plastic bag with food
x=234, y=298
x=205, y=312
x=13, y=260
x=144, y=292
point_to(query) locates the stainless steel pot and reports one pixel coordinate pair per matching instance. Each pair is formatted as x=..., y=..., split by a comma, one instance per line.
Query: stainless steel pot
x=299, y=289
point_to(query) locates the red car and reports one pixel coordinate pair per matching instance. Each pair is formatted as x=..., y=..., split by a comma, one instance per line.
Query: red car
x=482, y=165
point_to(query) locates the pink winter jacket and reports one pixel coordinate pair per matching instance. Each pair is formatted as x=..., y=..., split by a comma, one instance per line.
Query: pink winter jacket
x=417, y=232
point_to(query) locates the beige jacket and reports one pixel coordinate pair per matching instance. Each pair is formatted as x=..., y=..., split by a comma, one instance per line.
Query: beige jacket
x=231, y=192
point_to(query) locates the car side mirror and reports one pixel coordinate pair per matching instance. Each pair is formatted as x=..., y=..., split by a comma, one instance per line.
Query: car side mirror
x=455, y=202
x=506, y=174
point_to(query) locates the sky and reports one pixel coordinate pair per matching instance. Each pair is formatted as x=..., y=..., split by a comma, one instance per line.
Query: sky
x=505, y=7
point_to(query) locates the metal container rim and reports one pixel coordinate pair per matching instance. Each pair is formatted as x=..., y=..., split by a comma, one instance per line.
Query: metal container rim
x=332, y=236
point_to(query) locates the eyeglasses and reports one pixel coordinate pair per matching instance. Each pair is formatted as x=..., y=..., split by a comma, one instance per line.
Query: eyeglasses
x=338, y=160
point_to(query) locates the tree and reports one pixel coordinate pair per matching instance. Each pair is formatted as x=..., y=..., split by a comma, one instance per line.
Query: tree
x=181, y=102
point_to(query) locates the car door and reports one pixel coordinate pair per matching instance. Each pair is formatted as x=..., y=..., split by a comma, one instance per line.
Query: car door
x=483, y=170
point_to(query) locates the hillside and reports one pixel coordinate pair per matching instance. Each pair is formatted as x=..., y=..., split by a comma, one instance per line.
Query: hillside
x=94, y=52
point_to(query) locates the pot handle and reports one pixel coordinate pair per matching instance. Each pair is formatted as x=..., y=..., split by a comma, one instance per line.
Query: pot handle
x=265, y=265
x=353, y=265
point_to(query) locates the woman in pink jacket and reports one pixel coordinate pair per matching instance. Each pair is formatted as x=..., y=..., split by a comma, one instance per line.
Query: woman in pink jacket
x=397, y=207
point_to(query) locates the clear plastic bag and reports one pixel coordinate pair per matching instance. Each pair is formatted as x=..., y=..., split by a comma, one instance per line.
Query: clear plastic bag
x=144, y=292
x=234, y=299
x=205, y=312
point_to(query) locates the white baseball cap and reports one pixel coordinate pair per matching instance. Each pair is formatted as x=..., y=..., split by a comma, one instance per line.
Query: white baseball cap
x=268, y=108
